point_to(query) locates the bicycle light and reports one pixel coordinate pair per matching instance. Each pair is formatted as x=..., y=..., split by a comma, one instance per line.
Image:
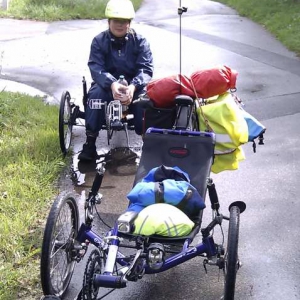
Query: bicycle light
x=125, y=221
x=155, y=256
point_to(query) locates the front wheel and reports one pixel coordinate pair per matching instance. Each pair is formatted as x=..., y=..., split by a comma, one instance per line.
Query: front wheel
x=65, y=122
x=58, y=255
x=231, y=257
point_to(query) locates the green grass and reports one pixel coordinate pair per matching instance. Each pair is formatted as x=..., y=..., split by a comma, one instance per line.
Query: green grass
x=44, y=10
x=53, y=10
x=280, y=17
x=30, y=161
x=29, y=167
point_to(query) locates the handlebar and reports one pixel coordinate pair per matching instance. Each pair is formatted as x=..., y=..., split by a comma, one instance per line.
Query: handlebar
x=180, y=100
x=143, y=100
x=98, y=180
x=93, y=197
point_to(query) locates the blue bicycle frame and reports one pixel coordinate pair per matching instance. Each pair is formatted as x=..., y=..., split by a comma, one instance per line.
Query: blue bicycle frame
x=107, y=279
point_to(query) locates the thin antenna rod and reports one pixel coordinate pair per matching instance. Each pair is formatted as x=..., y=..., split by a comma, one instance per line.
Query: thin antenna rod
x=181, y=10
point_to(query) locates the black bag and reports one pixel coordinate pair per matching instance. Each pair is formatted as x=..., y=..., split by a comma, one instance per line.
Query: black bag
x=158, y=117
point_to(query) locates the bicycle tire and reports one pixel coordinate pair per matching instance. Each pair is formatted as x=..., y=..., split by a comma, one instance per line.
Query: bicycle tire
x=109, y=130
x=57, y=255
x=183, y=123
x=195, y=120
x=231, y=257
x=65, y=122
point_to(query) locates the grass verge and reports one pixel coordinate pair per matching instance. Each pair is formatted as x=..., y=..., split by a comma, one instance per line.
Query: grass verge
x=30, y=161
x=280, y=17
x=29, y=167
x=55, y=10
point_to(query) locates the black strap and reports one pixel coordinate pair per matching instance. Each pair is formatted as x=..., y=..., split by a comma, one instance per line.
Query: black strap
x=213, y=196
x=163, y=172
x=159, y=192
x=182, y=204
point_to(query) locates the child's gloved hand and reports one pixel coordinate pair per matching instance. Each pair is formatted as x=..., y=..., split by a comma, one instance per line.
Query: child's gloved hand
x=122, y=93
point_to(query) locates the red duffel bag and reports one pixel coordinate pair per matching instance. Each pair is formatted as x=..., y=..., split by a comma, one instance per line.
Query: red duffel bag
x=213, y=81
x=164, y=90
x=206, y=83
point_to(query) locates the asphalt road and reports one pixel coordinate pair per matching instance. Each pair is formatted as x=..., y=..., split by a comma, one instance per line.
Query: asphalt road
x=52, y=57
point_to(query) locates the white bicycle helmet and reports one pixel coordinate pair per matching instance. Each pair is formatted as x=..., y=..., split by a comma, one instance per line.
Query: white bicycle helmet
x=119, y=9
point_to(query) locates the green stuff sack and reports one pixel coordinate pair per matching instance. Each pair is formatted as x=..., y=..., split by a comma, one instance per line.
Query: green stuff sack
x=162, y=219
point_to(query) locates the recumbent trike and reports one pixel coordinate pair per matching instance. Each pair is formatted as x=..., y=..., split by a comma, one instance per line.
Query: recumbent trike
x=65, y=243
x=71, y=114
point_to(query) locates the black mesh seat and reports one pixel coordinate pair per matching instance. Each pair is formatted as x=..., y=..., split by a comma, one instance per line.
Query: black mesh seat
x=190, y=151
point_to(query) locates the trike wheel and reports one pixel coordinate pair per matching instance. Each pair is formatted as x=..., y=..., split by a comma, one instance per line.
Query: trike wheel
x=195, y=121
x=231, y=257
x=58, y=255
x=109, y=130
x=65, y=122
x=95, y=265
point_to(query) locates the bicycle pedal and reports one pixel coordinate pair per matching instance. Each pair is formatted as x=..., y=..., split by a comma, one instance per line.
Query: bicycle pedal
x=96, y=104
x=116, y=125
x=129, y=117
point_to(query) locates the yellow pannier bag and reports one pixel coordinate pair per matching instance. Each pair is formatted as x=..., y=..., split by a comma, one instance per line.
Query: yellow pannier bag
x=222, y=115
x=162, y=219
x=228, y=161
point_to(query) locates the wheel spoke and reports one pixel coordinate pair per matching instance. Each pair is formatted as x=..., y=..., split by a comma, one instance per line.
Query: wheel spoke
x=57, y=264
x=65, y=122
x=58, y=272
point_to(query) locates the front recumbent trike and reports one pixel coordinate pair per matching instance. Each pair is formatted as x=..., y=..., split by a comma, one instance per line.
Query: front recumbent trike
x=108, y=266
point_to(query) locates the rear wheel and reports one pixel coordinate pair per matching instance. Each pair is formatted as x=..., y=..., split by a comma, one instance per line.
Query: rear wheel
x=182, y=121
x=108, y=120
x=195, y=121
x=58, y=255
x=65, y=122
x=109, y=130
x=187, y=118
x=231, y=257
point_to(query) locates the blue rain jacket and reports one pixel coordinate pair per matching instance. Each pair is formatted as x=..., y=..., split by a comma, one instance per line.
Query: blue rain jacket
x=111, y=57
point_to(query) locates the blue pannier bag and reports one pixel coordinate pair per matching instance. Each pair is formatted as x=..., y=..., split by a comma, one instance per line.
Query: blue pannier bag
x=255, y=128
x=166, y=185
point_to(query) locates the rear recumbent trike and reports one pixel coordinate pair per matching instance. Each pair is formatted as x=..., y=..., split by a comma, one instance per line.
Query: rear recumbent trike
x=72, y=114
x=181, y=154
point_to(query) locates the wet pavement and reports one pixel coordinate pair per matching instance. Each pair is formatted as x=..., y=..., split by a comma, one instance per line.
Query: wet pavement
x=268, y=181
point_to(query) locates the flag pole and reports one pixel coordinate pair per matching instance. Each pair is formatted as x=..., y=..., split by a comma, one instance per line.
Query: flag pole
x=181, y=10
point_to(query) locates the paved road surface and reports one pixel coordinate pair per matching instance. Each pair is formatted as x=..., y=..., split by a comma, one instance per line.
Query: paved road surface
x=52, y=57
